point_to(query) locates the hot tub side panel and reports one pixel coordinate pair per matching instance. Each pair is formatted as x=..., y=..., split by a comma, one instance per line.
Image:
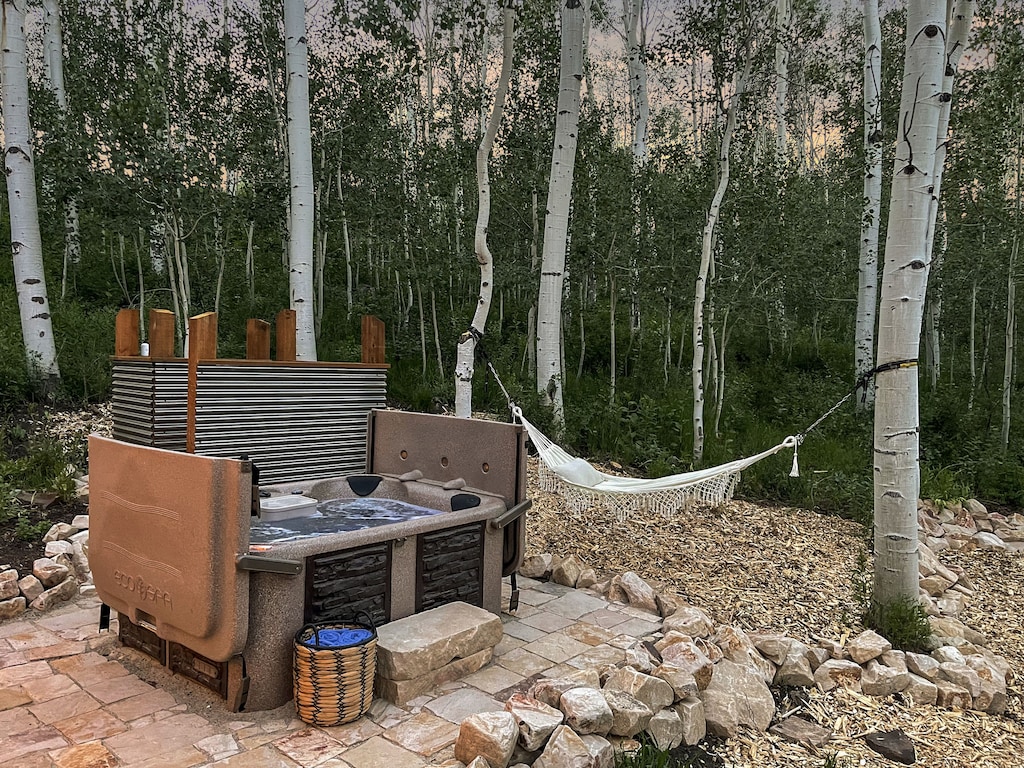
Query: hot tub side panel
x=165, y=531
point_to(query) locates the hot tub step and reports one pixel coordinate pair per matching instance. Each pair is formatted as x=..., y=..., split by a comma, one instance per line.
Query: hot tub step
x=426, y=649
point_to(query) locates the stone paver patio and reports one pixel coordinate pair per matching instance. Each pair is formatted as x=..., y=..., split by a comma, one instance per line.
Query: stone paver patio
x=63, y=703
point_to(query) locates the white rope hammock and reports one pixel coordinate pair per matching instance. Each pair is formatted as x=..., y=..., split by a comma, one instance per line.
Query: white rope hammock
x=583, y=486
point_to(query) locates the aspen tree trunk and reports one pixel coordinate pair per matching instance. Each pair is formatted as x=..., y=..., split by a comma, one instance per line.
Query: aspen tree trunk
x=556, y=222
x=54, y=46
x=300, y=174
x=1011, y=296
x=26, y=243
x=613, y=296
x=466, y=351
x=783, y=19
x=958, y=21
x=867, y=271
x=707, y=244
x=639, y=107
x=972, y=353
x=905, y=278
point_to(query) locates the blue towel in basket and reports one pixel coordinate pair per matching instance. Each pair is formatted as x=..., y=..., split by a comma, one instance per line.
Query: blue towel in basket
x=339, y=638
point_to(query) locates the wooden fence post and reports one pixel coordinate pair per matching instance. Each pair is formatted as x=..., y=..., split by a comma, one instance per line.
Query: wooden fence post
x=126, y=333
x=373, y=340
x=202, y=345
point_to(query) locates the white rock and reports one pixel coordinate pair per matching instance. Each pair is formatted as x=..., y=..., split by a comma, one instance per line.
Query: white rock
x=691, y=715
x=867, y=645
x=629, y=715
x=586, y=711
x=565, y=749
x=536, y=720
x=602, y=754
x=880, y=680
x=923, y=666
x=987, y=540
x=692, y=659
x=59, y=547
x=49, y=572
x=836, y=672
x=491, y=735
x=655, y=693
x=11, y=608
x=948, y=653
x=9, y=584
x=795, y=669
x=919, y=689
x=689, y=621
x=638, y=592
x=536, y=566
x=31, y=587
x=736, y=646
x=666, y=729
x=81, y=522
x=567, y=572
x=59, y=531
x=737, y=696
x=684, y=685
x=961, y=675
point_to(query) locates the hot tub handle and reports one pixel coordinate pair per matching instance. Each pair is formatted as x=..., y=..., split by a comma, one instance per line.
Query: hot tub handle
x=511, y=515
x=268, y=564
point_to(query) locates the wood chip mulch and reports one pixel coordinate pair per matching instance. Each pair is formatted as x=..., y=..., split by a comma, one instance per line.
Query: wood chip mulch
x=775, y=569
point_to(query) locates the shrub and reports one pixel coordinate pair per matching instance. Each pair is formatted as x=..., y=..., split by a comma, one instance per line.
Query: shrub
x=903, y=623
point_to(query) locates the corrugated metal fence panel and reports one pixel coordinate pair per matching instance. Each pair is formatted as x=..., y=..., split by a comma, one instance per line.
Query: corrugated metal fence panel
x=298, y=423
x=149, y=402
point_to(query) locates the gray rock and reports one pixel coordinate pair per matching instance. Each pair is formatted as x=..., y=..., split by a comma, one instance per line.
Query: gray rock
x=587, y=579
x=775, y=648
x=737, y=696
x=894, y=745
x=691, y=715
x=667, y=602
x=800, y=731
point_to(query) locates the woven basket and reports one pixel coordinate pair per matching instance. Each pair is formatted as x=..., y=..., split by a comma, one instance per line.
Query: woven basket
x=334, y=685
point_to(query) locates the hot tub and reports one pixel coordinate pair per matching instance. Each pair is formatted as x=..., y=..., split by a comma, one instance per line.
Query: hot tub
x=217, y=594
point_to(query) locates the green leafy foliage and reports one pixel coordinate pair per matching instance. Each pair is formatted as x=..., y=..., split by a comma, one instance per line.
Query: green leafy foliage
x=903, y=623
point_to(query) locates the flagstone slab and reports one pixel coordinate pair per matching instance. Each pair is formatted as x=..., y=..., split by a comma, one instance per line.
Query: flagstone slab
x=418, y=644
x=402, y=691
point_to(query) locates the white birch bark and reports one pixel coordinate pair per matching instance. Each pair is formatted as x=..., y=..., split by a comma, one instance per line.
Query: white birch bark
x=867, y=271
x=466, y=351
x=1011, y=299
x=300, y=173
x=707, y=245
x=54, y=48
x=637, y=70
x=556, y=222
x=783, y=19
x=19, y=165
x=905, y=278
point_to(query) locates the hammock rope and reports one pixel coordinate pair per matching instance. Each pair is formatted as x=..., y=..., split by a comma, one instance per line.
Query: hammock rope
x=583, y=486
